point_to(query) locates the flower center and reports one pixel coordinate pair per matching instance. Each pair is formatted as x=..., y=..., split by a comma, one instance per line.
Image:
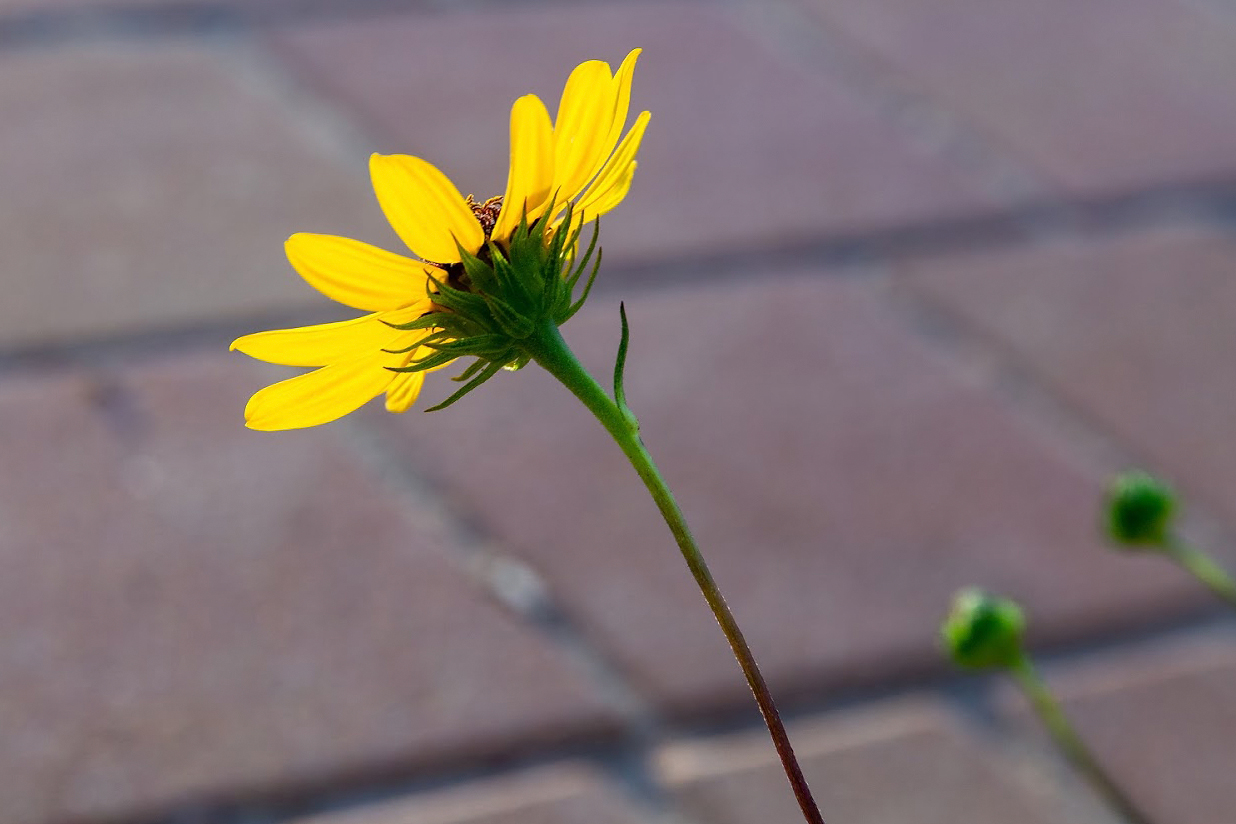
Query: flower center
x=486, y=215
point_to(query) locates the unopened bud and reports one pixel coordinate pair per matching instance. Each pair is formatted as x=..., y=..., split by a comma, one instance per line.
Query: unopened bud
x=1140, y=509
x=983, y=631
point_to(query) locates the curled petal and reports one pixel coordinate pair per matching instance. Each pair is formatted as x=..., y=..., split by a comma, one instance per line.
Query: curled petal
x=582, y=129
x=424, y=208
x=622, y=101
x=614, y=180
x=403, y=391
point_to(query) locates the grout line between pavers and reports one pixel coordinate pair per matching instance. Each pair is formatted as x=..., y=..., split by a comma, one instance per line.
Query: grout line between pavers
x=812, y=41
x=521, y=590
x=1210, y=207
x=514, y=584
x=995, y=366
x=1038, y=767
x=121, y=20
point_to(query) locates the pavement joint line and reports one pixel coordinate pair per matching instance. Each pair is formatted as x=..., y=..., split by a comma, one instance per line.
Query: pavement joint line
x=812, y=42
x=994, y=366
x=153, y=19
x=1042, y=768
x=616, y=760
x=514, y=584
x=844, y=255
x=1022, y=760
x=334, y=128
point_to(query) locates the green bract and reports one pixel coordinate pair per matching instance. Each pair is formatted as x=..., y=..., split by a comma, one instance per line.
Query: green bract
x=492, y=302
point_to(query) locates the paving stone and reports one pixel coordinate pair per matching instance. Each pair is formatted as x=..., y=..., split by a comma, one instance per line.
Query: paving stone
x=153, y=185
x=195, y=610
x=1163, y=724
x=903, y=764
x=1139, y=331
x=1103, y=95
x=743, y=147
x=570, y=794
x=843, y=480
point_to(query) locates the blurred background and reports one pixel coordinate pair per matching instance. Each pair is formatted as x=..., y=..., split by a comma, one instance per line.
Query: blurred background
x=906, y=282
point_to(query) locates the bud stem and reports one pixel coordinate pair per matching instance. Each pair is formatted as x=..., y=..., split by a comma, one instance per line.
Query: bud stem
x=1202, y=567
x=1070, y=743
x=548, y=349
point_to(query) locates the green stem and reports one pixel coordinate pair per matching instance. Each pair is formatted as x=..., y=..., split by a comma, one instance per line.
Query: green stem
x=1070, y=743
x=1202, y=567
x=549, y=350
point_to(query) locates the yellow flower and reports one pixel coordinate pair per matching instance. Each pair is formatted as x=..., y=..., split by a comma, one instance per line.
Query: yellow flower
x=577, y=168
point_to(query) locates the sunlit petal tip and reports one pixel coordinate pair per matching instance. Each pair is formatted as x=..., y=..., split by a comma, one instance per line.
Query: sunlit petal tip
x=317, y=397
x=532, y=165
x=627, y=69
x=403, y=391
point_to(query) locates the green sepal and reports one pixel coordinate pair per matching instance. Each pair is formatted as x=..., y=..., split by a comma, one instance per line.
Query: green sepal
x=479, y=345
x=422, y=364
x=471, y=370
x=488, y=372
x=512, y=322
x=577, y=268
x=620, y=365
x=478, y=271
x=592, y=278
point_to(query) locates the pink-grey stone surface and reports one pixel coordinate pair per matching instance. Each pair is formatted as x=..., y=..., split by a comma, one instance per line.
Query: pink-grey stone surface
x=843, y=479
x=906, y=281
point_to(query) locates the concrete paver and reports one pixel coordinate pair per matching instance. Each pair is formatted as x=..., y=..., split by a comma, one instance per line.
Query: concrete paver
x=562, y=794
x=902, y=764
x=1137, y=330
x=195, y=610
x=192, y=611
x=1162, y=723
x=152, y=185
x=1109, y=95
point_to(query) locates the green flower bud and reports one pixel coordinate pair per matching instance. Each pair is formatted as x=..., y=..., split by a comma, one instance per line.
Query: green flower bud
x=1140, y=509
x=983, y=631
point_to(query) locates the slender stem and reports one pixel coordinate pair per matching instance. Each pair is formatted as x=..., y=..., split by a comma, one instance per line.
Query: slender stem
x=1071, y=744
x=549, y=350
x=1202, y=567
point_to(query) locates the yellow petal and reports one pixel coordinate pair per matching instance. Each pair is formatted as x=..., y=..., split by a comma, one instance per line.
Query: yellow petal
x=356, y=274
x=318, y=345
x=532, y=165
x=402, y=392
x=585, y=119
x=622, y=100
x=424, y=208
x=318, y=397
x=614, y=180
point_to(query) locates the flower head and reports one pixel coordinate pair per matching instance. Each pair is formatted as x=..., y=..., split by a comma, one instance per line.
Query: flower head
x=481, y=268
